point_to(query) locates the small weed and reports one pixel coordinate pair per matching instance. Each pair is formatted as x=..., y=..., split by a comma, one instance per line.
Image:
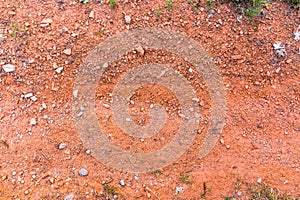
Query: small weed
x=265, y=192
x=169, y=4
x=195, y=4
x=186, y=179
x=83, y=1
x=252, y=8
x=112, y=3
x=110, y=189
x=157, y=172
x=209, y=4
x=16, y=29
x=158, y=13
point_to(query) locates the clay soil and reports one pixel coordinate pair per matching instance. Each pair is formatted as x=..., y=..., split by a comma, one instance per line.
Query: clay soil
x=260, y=142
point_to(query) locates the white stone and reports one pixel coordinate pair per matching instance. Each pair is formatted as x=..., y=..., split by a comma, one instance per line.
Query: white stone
x=9, y=68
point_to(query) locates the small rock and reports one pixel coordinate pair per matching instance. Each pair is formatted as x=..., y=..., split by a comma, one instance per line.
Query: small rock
x=75, y=93
x=92, y=14
x=179, y=190
x=236, y=57
x=33, y=98
x=9, y=68
x=136, y=176
x=32, y=121
x=288, y=61
x=259, y=180
x=88, y=151
x=239, y=193
x=26, y=192
x=62, y=146
x=127, y=19
x=69, y=197
x=140, y=50
x=55, y=66
x=222, y=141
x=83, y=172
x=106, y=105
x=28, y=95
x=105, y=65
x=59, y=70
x=44, y=106
x=67, y=51
x=122, y=182
x=46, y=22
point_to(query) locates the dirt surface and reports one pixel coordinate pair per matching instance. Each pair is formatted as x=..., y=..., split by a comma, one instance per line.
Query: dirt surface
x=41, y=151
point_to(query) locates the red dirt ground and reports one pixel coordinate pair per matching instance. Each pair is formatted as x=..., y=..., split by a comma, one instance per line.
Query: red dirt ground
x=260, y=141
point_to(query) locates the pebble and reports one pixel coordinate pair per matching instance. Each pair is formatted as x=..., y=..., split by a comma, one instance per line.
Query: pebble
x=259, y=180
x=44, y=106
x=69, y=197
x=28, y=95
x=75, y=93
x=83, y=172
x=59, y=70
x=122, y=182
x=46, y=22
x=62, y=146
x=67, y=51
x=179, y=190
x=54, y=65
x=33, y=98
x=127, y=19
x=9, y=68
x=32, y=121
x=136, y=176
x=88, y=151
x=140, y=50
x=92, y=14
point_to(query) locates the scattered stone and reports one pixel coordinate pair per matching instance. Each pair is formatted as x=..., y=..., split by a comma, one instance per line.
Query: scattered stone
x=297, y=34
x=67, y=51
x=44, y=106
x=75, y=93
x=236, y=57
x=54, y=65
x=88, y=152
x=106, y=105
x=26, y=192
x=222, y=141
x=195, y=99
x=122, y=182
x=179, y=190
x=33, y=98
x=32, y=121
x=105, y=65
x=69, y=197
x=279, y=49
x=11, y=13
x=83, y=172
x=46, y=22
x=259, y=181
x=127, y=19
x=59, y=70
x=9, y=68
x=140, y=50
x=136, y=176
x=239, y=193
x=28, y=95
x=288, y=61
x=92, y=14
x=62, y=146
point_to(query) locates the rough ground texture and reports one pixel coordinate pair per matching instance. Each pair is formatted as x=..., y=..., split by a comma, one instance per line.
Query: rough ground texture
x=41, y=152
